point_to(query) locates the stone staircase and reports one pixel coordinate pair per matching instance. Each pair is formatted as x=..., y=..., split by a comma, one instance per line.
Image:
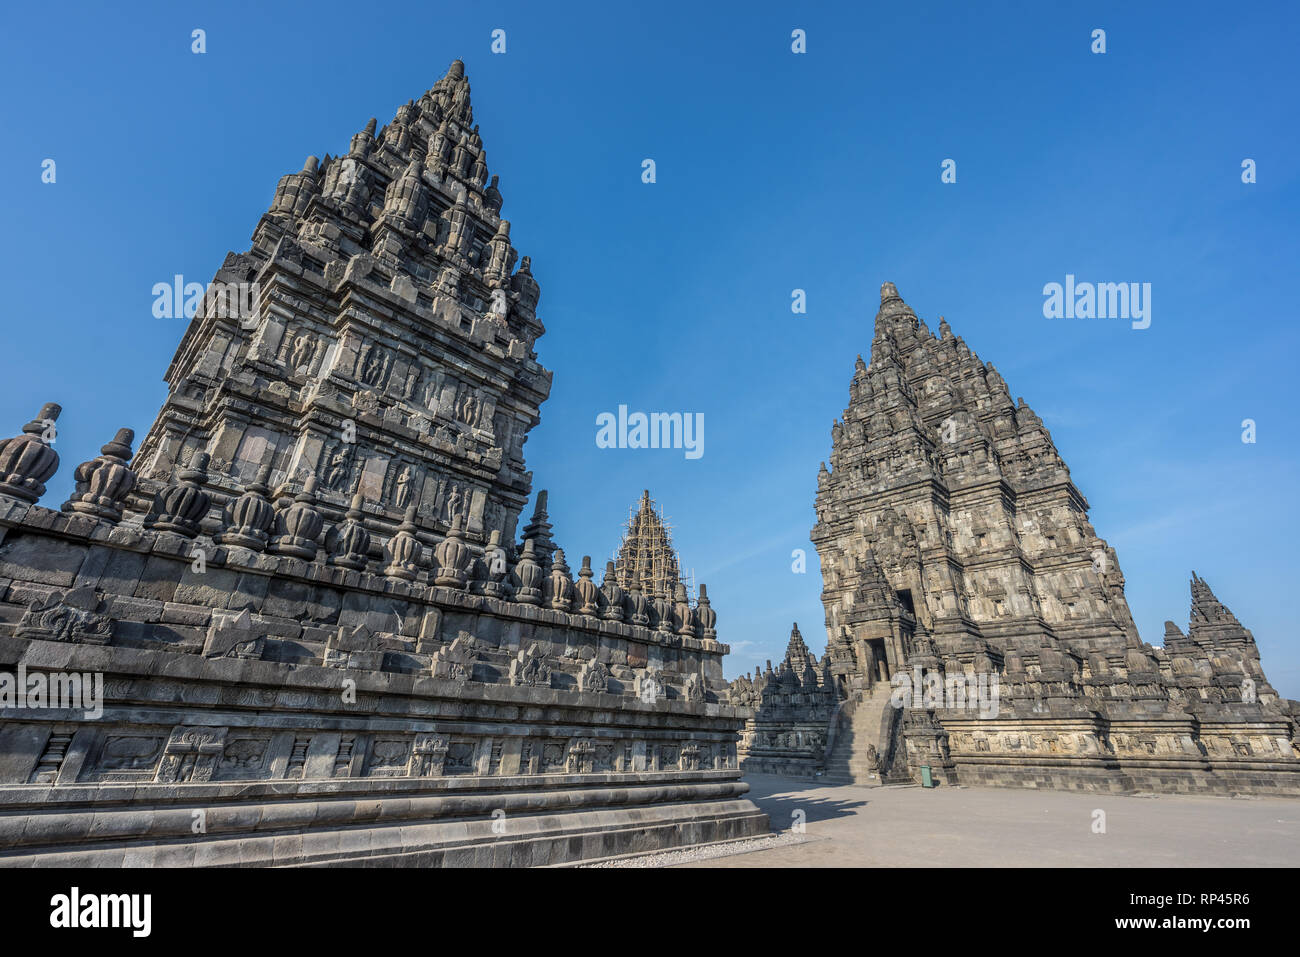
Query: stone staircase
x=861, y=724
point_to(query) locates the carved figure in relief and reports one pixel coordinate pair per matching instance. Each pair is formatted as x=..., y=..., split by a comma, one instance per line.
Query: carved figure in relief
x=402, y=488
x=301, y=355
x=338, y=467
x=469, y=407
x=452, y=505
x=372, y=366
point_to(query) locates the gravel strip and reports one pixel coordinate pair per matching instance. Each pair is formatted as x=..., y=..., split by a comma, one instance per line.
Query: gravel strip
x=689, y=855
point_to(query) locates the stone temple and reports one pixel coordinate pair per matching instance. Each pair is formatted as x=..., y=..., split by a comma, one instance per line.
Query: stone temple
x=322, y=635
x=958, y=561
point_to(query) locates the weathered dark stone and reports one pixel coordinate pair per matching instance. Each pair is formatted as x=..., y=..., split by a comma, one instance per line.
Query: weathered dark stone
x=365, y=665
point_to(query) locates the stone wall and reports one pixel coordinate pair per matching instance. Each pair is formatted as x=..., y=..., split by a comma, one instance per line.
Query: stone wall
x=268, y=678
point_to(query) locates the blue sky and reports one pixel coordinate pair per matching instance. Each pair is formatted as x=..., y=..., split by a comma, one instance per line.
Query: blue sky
x=775, y=171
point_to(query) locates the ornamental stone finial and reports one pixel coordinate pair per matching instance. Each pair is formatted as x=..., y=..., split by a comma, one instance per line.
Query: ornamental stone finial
x=588, y=595
x=103, y=482
x=494, y=563
x=181, y=507
x=561, y=585
x=492, y=195
x=362, y=141
x=528, y=576
x=453, y=556
x=27, y=461
x=638, y=609
x=478, y=169
x=404, y=549
x=682, y=612
x=348, y=542
x=707, y=617
x=538, y=531
x=249, y=518
x=612, y=594
x=294, y=191
x=299, y=525
x=523, y=283
x=663, y=606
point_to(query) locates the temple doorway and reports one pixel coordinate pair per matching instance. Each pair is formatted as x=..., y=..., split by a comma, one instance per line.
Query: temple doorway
x=878, y=663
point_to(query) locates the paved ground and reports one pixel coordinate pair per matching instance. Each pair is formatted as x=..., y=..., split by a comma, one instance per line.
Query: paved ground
x=957, y=827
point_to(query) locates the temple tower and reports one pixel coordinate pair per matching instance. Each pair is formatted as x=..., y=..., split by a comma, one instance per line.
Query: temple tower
x=328, y=500
x=646, y=556
x=1215, y=636
x=377, y=336
x=947, y=507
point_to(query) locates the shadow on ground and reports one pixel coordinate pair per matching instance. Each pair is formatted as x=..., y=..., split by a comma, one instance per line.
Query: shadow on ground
x=780, y=798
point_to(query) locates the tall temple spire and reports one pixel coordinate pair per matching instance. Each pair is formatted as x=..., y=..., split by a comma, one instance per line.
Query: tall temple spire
x=894, y=314
x=928, y=431
x=538, y=531
x=1211, y=623
x=797, y=655
x=1206, y=608
x=646, y=555
x=430, y=405
x=954, y=542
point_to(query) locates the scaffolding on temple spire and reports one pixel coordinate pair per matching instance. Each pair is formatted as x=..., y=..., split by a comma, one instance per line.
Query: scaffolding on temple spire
x=646, y=555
